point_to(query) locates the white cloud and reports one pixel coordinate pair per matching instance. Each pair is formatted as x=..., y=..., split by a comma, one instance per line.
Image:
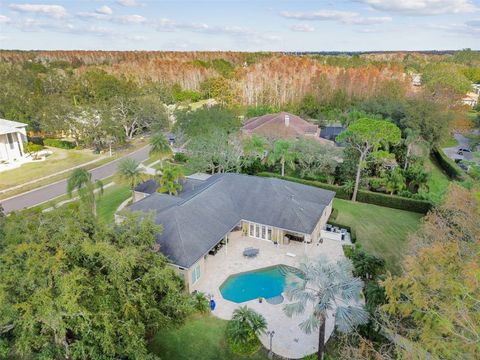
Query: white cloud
x=129, y=19
x=128, y=3
x=105, y=10
x=345, y=17
x=467, y=28
x=321, y=15
x=423, y=7
x=301, y=28
x=55, y=11
x=246, y=34
x=4, y=19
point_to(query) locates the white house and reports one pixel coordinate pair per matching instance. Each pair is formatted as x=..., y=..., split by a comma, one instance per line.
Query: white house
x=12, y=136
x=471, y=99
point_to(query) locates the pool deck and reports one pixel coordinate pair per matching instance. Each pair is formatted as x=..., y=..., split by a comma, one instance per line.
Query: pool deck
x=289, y=340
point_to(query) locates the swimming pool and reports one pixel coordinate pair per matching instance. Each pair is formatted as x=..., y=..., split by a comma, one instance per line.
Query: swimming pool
x=266, y=283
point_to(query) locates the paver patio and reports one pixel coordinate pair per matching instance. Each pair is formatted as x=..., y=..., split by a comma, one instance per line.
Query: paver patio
x=289, y=340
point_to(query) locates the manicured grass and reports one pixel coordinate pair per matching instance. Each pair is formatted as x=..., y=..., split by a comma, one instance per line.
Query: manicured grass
x=111, y=199
x=381, y=231
x=437, y=183
x=59, y=160
x=200, y=338
x=450, y=143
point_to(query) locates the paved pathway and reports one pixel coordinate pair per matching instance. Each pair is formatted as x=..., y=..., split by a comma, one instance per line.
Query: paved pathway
x=48, y=192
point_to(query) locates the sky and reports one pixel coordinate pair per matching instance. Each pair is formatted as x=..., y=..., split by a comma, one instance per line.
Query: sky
x=249, y=25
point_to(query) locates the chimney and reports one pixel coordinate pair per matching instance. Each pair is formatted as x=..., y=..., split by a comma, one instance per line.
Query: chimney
x=287, y=120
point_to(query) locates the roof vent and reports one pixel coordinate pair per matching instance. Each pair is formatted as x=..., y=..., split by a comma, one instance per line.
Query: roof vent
x=287, y=120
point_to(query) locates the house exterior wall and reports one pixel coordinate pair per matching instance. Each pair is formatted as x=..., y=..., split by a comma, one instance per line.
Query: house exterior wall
x=322, y=222
x=11, y=145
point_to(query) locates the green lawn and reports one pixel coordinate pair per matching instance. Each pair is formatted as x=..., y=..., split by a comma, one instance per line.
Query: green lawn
x=451, y=142
x=111, y=199
x=60, y=160
x=380, y=230
x=200, y=338
x=437, y=183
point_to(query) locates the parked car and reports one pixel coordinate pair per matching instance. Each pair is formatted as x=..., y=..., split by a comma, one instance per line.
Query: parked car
x=463, y=150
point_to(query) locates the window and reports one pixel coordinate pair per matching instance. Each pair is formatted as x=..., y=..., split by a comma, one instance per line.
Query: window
x=260, y=231
x=195, y=274
x=10, y=141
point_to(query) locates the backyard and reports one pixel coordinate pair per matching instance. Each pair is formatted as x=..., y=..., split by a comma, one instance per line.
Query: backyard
x=380, y=230
x=202, y=337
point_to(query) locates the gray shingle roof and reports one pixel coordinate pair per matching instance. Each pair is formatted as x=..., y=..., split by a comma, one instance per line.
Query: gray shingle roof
x=198, y=219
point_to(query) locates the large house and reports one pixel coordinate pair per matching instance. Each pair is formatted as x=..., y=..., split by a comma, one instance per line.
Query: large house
x=200, y=219
x=12, y=136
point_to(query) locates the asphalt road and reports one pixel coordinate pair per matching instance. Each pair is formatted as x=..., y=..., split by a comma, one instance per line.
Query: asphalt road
x=48, y=192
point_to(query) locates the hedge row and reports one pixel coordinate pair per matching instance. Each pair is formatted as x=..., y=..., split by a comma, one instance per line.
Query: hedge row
x=447, y=164
x=365, y=196
x=62, y=144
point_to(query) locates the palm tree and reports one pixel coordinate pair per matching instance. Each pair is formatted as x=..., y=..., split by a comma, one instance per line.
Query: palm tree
x=395, y=181
x=130, y=173
x=411, y=137
x=282, y=152
x=255, y=148
x=348, y=186
x=246, y=325
x=159, y=146
x=170, y=180
x=327, y=286
x=81, y=180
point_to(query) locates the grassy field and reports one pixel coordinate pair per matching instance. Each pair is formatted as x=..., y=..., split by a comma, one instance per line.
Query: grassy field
x=59, y=160
x=111, y=199
x=200, y=338
x=437, y=183
x=380, y=230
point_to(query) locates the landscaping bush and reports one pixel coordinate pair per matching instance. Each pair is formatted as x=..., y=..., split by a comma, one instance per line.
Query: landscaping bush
x=62, y=144
x=395, y=202
x=447, y=164
x=200, y=302
x=180, y=157
x=365, y=196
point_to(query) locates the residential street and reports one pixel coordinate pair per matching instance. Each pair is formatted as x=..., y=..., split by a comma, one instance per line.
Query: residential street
x=48, y=192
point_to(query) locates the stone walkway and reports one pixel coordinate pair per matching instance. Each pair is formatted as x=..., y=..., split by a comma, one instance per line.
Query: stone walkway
x=289, y=340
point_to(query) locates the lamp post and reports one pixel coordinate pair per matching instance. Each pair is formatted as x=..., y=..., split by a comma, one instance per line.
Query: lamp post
x=270, y=334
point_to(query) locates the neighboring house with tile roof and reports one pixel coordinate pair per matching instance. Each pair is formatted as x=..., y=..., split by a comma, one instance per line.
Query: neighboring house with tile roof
x=282, y=125
x=12, y=136
x=206, y=211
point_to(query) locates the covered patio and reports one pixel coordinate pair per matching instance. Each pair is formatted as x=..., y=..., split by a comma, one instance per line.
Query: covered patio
x=289, y=340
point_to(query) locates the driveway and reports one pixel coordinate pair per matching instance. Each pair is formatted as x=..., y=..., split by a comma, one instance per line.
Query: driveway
x=49, y=192
x=452, y=152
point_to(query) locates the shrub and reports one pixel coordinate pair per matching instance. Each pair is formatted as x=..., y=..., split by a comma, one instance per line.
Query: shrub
x=243, y=330
x=62, y=144
x=33, y=148
x=447, y=164
x=180, y=157
x=200, y=302
x=365, y=196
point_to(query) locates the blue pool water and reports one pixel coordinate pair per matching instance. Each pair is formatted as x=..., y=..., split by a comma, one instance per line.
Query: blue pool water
x=266, y=283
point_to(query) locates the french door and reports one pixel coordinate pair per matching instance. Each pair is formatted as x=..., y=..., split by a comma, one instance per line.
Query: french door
x=260, y=231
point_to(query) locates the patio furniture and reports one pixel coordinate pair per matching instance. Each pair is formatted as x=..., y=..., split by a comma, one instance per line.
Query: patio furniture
x=250, y=252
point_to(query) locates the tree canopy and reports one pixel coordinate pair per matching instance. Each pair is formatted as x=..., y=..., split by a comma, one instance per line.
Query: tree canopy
x=72, y=288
